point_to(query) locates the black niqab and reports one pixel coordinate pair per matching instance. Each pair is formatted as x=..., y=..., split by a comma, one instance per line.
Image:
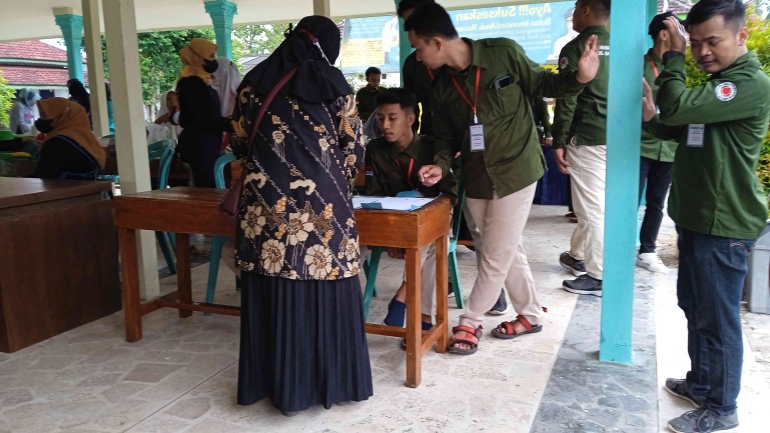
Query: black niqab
x=316, y=80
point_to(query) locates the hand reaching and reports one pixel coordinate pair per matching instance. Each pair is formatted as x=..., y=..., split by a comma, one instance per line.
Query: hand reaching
x=648, y=102
x=430, y=175
x=588, y=65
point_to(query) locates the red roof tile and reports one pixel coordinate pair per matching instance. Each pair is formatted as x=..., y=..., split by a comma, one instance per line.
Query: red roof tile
x=30, y=76
x=32, y=50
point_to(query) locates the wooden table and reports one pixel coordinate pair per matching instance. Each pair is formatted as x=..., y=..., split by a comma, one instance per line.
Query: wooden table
x=59, y=258
x=195, y=210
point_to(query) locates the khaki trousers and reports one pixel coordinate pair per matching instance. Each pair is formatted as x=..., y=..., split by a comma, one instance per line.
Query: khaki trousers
x=501, y=223
x=588, y=176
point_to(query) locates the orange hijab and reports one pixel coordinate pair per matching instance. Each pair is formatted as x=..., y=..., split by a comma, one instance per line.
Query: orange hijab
x=192, y=58
x=71, y=120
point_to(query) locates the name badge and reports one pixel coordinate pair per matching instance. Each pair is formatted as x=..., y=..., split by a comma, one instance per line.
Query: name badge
x=695, y=134
x=477, y=138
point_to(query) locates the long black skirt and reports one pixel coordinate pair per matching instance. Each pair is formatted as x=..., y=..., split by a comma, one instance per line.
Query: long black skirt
x=302, y=343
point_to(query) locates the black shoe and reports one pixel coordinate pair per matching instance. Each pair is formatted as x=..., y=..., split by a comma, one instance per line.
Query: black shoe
x=451, y=293
x=679, y=388
x=501, y=307
x=703, y=421
x=570, y=215
x=584, y=285
x=577, y=267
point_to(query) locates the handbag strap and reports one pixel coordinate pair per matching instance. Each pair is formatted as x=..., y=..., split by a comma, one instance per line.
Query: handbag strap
x=268, y=101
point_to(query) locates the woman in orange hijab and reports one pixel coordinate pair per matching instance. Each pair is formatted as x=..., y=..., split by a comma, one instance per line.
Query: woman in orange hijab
x=200, y=143
x=70, y=149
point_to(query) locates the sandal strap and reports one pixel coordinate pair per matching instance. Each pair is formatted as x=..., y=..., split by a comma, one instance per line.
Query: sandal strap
x=470, y=340
x=523, y=320
x=468, y=329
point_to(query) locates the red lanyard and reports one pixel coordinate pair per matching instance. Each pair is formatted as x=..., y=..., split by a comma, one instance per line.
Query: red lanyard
x=654, y=68
x=468, y=101
x=430, y=74
x=409, y=172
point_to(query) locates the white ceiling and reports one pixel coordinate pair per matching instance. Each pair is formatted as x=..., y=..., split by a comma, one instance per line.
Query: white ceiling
x=33, y=19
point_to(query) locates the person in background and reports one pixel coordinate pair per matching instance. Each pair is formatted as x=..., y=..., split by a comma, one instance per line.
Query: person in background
x=168, y=115
x=79, y=94
x=70, y=148
x=392, y=165
x=110, y=115
x=200, y=112
x=716, y=200
x=502, y=160
x=657, y=154
x=302, y=325
x=226, y=80
x=417, y=77
x=23, y=112
x=580, y=148
x=366, y=98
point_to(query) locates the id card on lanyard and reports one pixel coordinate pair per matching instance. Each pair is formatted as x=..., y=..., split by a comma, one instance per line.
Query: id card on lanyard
x=476, y=129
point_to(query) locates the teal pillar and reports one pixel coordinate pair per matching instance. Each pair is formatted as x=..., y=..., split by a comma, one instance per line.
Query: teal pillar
x=222, y=13
x=624, y=125
x=72, y=29
x=404, y=46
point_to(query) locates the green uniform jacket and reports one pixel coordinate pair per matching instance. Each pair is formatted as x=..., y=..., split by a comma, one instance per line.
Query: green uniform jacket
x=417, y=79
x=513, y=159
x=367, y=102
x=654, y=133
x=584, y=117
x=386, y=177
x=541, y=115
x=715, y=189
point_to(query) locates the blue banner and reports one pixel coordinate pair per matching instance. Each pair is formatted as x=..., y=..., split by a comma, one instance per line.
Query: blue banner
x=542, y=29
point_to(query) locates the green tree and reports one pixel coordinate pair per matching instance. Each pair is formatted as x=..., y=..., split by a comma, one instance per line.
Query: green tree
x=6, y=99
x=259, y=39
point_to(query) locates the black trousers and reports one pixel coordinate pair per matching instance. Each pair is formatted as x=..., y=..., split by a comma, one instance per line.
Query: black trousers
x=657, y=176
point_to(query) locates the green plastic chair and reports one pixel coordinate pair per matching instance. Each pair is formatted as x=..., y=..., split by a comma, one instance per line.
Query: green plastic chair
x=219, y=241
x=165, y=240
x=372, y=264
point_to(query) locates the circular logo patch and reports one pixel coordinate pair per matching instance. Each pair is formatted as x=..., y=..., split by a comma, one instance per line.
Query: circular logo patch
x=563, y=63
x=726, y=92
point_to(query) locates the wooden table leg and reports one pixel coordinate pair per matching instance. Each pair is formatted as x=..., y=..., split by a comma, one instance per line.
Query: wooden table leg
x=442, y=309
x=184, y=280
x=130, y=274
x=413, y=318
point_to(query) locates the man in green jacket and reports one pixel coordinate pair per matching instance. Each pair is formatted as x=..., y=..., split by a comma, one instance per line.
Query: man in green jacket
x=657, y=154
x=716, y=200
x=481, y=109
x=366, y=98
x=417, y=77
x=580, y=132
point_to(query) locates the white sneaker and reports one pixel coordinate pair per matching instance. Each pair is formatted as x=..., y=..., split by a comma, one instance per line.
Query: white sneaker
x=651, y=262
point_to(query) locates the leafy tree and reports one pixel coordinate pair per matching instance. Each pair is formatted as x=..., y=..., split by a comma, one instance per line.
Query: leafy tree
x=6, y=100
x=259, y=39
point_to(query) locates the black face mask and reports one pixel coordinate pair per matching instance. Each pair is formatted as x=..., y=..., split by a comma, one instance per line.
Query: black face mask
x=210, y=66
x=44, y=125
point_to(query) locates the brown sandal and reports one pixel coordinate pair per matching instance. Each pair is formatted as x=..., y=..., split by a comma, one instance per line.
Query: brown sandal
x=473, y=340
x=510, y=331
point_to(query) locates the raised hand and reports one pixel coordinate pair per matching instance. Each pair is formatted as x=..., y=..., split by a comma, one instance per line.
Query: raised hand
x=588, y=65
x=648, y=103
x=677, y=34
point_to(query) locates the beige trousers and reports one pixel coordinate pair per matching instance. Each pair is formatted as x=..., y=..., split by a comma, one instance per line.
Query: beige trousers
x=588, y=177
x=501, y=223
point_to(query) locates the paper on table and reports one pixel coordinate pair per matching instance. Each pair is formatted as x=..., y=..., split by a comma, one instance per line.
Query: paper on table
x=390, y=203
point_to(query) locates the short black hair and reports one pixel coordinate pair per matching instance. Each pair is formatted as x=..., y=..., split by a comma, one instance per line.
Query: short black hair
x=406, y=5
x=733, y=11
x=373, y=71
x=398, y=95
x=431, y=20
x=599, y=7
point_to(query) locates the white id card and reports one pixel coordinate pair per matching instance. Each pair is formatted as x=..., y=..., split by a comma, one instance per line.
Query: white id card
x=695, y=134
x=477, y=138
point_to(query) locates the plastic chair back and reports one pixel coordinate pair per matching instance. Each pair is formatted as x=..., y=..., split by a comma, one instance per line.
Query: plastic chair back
x=155, y=150
x=164, y=168
x=219, y=169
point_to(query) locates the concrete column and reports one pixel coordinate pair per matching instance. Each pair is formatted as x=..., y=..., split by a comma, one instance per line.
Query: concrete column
x=72, y=30
x=93, y=41
x=322, y=7
x=222, y=13
x=404, y=46
x=624, y=128
x=131, y=144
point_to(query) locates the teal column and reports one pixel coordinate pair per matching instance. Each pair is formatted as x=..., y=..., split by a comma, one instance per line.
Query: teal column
x=404, y=46
x=222, y=13
x=72, y=29
x=624, y=126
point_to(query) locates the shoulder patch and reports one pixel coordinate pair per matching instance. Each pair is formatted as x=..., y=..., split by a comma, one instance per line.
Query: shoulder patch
x=726, y=91
x=564, y=62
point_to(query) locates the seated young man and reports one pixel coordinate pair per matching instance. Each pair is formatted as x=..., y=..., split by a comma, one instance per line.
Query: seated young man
x=392, y=164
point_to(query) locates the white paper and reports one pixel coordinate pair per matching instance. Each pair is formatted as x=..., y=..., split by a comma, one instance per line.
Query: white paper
x=392, y=203
x=695, y=135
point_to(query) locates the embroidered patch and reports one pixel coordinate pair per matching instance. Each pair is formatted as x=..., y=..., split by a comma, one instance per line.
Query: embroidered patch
x=563, y=63
x=726, y=91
